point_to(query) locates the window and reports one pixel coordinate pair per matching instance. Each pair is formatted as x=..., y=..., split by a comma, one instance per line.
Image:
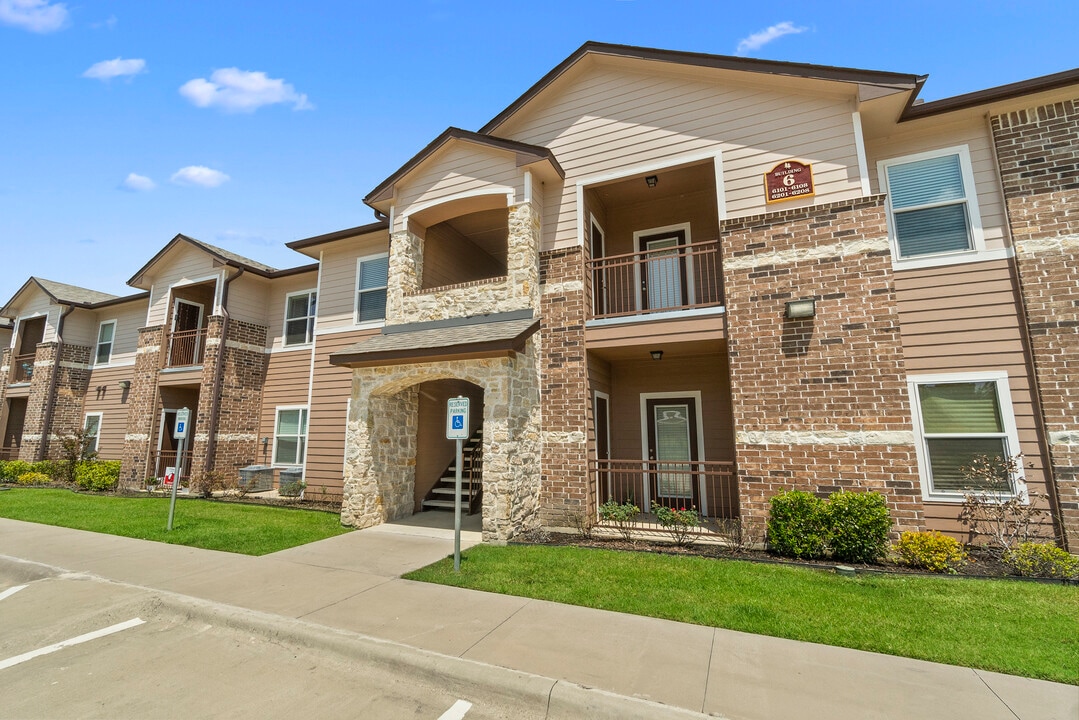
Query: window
x=106, y=333
x=92, y=429
x=372, y=274
x=299, y=318
x=290, y=436
x=957, y=419
x=932, y=206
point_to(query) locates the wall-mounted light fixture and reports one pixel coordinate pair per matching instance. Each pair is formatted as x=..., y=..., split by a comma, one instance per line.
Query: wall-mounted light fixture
x=652, y=180
x=799, y=309
x=656, y=354
x=265, y=441
x=125, y=384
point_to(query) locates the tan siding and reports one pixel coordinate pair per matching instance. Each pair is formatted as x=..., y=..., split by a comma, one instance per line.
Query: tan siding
x=129, y=318
x=248, y=297
x=39, y=304
x=449, y=257
x=106, y=397
x=610, y=119
x=337, y=291
x=918, y=137
x=287, y=378
x=963, y=318
x=275, y=304
x=460, y=167
x=80, y=328
x=182, y=264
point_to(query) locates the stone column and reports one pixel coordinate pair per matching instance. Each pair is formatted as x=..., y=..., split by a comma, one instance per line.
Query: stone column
x=33, y=434
x=405, y=274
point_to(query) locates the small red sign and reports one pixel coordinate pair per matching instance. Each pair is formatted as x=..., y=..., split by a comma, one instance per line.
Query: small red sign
x=170, y=478
x=789, y=180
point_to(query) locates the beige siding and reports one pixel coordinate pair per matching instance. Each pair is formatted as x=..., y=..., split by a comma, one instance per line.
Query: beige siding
x=449, y=257
x=460, y=167
x=918, y=137
x=80, y=328
x=248, y=295
x=337, y=291
x=38, y=303
x=610, y=119
x=106, y=397
x=286, y=383
x=963, y=318
x=129, y=318
x=183, y=264
x=275, y=305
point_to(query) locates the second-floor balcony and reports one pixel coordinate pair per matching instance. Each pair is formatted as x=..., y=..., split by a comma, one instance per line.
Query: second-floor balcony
x=185, y=348
x=22, y=368
x=678, y=277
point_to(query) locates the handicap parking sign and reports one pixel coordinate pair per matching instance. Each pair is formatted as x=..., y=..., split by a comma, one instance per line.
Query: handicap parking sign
x=457, y=418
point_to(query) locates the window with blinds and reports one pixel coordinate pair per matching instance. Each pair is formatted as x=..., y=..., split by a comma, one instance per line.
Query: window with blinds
x=929, y=205
x=372, y=275
x=290, y=436
x=299, y=318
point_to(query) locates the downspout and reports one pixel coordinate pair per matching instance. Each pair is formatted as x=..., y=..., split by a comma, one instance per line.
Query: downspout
x=50, y=399
x=219, y=372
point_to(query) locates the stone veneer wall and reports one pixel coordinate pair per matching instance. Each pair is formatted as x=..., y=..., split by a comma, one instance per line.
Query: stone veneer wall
x=240, y=392
x=1038, y=153
x=72, y=382
x=406, y=302
x=564, y=388
x=380, y=440
x=142, y=406
x=820, y=404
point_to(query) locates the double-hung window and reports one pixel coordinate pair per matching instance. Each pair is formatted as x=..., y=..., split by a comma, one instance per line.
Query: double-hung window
x=106, y=335
x=299, y=318
x=91, y=432
x=959, y=419
x=290, y=436
x=933, y=209
x=372, y=275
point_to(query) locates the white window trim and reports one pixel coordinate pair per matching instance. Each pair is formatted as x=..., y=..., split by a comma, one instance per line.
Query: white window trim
x=356, y=292
x=311, y=319
x=100, y=419
x=306, y=432
x=978, y=253
x=596, y=395
x=1004, y=400
x=645, y=420
x=112, y=343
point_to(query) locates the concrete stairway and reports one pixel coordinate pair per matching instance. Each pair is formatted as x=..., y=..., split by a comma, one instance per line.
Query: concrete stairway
x=440, y=496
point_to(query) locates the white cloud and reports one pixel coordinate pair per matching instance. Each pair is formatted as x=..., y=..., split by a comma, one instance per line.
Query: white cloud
x=235, y=90
x=33, y=15
x=108, y=24
x=759, y=39
x=199, y=175
x=138, y=183
x=108, y=69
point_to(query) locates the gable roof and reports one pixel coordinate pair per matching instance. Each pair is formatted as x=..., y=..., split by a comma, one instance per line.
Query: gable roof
x=993, y=94
x=526, y=155
x=64, y=294
x=225, y=257
x=694, y=59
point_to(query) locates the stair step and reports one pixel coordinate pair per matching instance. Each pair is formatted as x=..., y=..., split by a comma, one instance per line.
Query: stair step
x=438, y=503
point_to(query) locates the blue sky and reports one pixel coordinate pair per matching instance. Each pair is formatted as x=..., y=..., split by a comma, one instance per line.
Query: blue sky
x=251, y=124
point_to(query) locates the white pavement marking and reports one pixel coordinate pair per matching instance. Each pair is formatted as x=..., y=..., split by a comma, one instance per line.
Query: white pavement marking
x=134, y=622
x=457, y=711
x=11, y=591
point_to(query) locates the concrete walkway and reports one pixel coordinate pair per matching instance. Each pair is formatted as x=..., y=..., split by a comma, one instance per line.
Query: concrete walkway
x=352, y=583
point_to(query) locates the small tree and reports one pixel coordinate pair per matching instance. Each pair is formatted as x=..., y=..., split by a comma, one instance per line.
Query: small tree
x=76, y=447
x=1003, y=518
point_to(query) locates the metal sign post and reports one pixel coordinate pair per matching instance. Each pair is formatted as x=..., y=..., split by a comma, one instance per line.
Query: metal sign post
x=457, y=429
x=183, y=420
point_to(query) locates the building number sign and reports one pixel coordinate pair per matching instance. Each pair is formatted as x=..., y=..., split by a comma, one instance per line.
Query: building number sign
x=788, y=180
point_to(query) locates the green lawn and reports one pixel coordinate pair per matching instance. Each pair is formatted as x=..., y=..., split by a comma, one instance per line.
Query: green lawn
x=246, y=529
x=1021, y=628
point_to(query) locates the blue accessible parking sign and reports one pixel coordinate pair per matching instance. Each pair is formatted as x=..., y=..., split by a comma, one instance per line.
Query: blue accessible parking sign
x=457, y=418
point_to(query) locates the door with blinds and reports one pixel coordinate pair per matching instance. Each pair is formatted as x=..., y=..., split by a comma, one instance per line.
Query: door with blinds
x=673, y=451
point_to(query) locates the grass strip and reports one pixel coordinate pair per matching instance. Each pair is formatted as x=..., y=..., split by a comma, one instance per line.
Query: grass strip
x=232, y=527
x=1020, y=628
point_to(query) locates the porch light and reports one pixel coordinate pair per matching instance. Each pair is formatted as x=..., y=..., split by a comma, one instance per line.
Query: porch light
x=656, y=354
x=125, y=384
x=797, y=309
x=652, y=180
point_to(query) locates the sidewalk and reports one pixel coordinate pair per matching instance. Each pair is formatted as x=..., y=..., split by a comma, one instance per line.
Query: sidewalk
x=352, y=583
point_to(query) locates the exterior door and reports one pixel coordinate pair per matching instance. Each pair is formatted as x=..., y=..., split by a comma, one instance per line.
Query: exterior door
x=599, y=277
x=672, y=450
x=664, y=282
x=185, y=346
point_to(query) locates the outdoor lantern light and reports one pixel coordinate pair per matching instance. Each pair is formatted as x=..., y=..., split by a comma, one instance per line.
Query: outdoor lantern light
x=656, y=354
x=798, y=309
x=125, y=384
x=652, y=180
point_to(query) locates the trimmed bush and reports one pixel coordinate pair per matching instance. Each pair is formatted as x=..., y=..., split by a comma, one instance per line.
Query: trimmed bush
x=931, y=551
x=1031, y=559
x=55, y=469
x=682, y=523
x=858, y=525
x=621, y=515
x=33, y=478
x=798, y=525
x=97, y=475
x=10, y=470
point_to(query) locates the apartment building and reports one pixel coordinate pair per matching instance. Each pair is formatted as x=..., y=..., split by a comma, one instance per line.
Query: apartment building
x=665, y=277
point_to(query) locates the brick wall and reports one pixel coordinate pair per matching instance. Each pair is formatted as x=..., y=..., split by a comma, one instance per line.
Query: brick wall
x=1038, y=152
x=142, y=406
x=5, y=378
x=563, y=387
x=72, y=382
x=819, y=404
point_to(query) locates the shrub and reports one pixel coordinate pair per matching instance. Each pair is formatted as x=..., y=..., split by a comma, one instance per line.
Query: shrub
x=1031, y=559
x=33, y=478
x=98, y=476
x=55, y=469
x=10, y=470
x=207, y=483
x=931, y=551
x=858, y=525
x=741, y=534
x=291, y=488
x=797, y=525
x=75, y=448
x=621, y=515
x=582, y=521
x=682, y=523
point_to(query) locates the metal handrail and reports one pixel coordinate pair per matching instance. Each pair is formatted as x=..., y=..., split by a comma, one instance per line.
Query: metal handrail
x=709, y=486
x=185, y=348
x=22, y=368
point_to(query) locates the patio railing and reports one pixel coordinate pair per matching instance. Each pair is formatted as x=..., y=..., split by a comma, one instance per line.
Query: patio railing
x=22, y=368
x=162, y=460
x=710, y=487
x=185, y=348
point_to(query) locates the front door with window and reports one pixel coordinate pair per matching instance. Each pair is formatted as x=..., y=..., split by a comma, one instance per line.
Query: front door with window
x=672, y=451
x=185, y=345
x=664, y=282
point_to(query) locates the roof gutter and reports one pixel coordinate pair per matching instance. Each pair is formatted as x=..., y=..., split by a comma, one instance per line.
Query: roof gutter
x=219, y=372
x=50, y=399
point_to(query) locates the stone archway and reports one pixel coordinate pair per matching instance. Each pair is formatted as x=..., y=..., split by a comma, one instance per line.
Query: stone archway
x=380, y=440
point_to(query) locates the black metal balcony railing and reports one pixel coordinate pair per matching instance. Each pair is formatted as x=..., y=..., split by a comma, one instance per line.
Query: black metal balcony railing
x=185, y=348
x=682, y=277
x=709, y=487
x=22, y=368
x=163, y=460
